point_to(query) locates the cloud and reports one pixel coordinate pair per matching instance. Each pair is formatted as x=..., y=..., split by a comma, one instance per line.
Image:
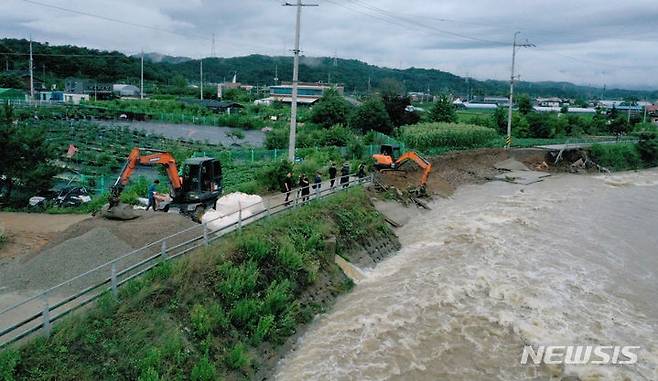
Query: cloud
x=583, y=41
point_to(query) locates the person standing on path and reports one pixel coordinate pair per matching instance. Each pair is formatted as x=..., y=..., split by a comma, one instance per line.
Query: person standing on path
x=317, y=183
x=152, y=191
x=305, y=186
x=287, y=187
x=345, y=175
x=332, y=173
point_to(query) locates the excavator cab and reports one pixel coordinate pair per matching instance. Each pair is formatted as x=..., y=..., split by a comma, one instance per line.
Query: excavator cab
x=386, y=157
x=390, y=150
x=202, y=181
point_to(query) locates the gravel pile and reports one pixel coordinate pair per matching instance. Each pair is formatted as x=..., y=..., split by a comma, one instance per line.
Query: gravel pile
x=64, y=261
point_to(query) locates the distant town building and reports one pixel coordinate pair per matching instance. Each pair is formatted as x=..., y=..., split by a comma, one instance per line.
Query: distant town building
x=308, y=93
x=549, y=102
x=215, y=105
x=86, y=86
x=498, y=101
x=76, y=98
x=125, y=91
x=50, y=96
x=420, y=96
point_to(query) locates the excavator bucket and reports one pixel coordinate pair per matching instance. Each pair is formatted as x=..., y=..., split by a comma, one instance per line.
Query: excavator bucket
x=121, y=212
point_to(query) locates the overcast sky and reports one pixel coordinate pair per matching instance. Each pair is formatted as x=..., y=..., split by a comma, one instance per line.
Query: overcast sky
x=592, y=42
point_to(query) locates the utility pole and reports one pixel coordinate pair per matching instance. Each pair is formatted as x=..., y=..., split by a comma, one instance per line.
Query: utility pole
x=201, y=77
x=141, y=82
x=508, y=141
x=295, y=79
x=644, y=119
x=31, y=72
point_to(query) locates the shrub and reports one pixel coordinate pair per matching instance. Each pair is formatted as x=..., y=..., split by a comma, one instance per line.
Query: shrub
x=371, y=115
x=429, y=135
x=443, y=111
x=9, y=359
x=277, y=297
x=200, y=320
x=272, y=176
x=330, y=110
x=648, y=148
x=245, y=313
x=618, y=157
x=263, y=329
x=204, y=370
x=238, y=357
x=237, y=281
x=253, y=247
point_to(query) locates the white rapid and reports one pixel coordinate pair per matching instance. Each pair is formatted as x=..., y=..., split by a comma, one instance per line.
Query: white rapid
x=569, y=261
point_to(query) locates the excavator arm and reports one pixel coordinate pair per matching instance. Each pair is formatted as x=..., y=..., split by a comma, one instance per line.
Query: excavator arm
x=154, y=158
x=425, y=165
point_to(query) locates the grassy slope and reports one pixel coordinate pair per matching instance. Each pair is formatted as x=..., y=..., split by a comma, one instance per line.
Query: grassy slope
x=222, y=312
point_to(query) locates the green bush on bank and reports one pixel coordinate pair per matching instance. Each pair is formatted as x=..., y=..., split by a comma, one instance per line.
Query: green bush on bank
x=620, y=157
x=206, y=316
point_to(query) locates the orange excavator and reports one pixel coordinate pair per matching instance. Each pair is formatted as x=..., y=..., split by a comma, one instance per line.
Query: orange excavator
x=193, y=191
x=389, y=158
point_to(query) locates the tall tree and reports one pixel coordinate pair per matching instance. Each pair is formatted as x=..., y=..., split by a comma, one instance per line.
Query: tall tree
x=330, y=110
x=443, y=110
x=397, y=107
x=371, y=116
x=524, y=103
x=26, y=156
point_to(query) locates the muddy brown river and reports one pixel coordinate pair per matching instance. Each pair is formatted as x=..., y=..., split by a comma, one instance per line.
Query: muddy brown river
x=569, y=261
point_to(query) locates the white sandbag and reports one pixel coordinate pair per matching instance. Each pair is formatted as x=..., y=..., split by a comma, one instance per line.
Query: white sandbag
x=228, y=210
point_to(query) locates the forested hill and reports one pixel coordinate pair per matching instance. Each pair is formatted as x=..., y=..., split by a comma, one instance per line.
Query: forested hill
x=59, y=62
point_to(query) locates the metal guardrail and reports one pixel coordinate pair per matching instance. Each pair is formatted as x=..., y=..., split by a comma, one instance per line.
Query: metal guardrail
x=41, y=311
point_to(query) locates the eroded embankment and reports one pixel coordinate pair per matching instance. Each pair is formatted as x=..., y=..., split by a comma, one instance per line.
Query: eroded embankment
x=230, y=311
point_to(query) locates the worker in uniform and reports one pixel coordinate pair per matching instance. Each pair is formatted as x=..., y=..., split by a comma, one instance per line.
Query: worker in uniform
x=152, y=191
x=305, y=186
x=332, y=173
x=287, y=186
x=345, y=175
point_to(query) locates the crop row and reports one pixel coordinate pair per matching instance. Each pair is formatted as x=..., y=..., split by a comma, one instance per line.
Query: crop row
x=426, y=136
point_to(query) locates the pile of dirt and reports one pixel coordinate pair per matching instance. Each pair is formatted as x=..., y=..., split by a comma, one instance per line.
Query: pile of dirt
x=65, y=260
x=29, y=232
x=451, y=170
x=150, y=227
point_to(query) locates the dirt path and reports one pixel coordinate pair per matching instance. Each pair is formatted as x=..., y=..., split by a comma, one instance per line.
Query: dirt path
x=30, y=232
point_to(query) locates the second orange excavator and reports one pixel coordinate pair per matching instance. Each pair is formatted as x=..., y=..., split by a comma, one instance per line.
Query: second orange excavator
x=389, y=158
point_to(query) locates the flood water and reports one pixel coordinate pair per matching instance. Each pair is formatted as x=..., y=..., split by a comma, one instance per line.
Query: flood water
x=569, y=261
x=192, y=132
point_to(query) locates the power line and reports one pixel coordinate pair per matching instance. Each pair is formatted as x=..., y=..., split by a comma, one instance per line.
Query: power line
x=144, y=26
x=111, y=19
x=414, y=23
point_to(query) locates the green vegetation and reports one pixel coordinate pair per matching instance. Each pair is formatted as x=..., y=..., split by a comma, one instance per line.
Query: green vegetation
x=371, y=116
x=443, y=111
x=332, y=109
x=25, y=158
x=617, y=157
x=621, y=157
x=426, y=136
x=215, y=313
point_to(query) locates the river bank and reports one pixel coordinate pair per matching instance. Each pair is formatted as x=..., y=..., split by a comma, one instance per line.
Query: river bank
x=227, y=311
x=566, y=261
